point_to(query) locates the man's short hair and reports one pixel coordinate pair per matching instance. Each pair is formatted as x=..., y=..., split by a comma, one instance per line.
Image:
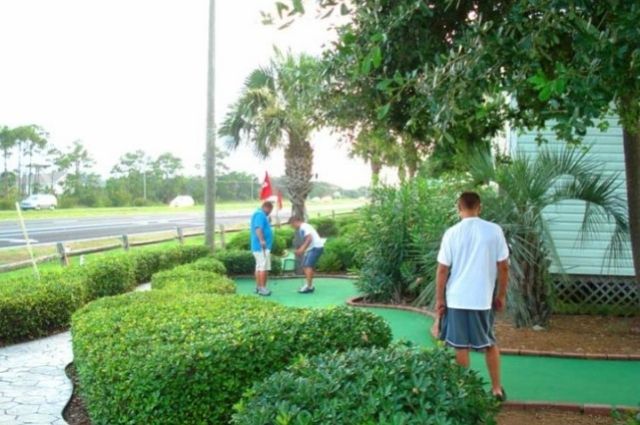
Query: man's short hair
x=295, y=218
x=469, y=201
x=267, y=204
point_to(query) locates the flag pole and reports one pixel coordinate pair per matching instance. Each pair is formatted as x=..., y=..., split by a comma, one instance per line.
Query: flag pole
x=36, y=272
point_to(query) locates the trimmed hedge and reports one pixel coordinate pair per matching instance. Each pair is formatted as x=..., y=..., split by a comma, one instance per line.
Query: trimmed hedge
x=241, y=241
x=338, y=256
x=370, y=386
x=209, y=264
x=30, y=309
x=243, y=263
x=325, y=226
x=189, y=280
x=162, y=358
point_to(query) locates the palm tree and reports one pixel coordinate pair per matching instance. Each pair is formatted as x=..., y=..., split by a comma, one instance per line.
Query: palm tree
x=523, y=190
x=276, y=109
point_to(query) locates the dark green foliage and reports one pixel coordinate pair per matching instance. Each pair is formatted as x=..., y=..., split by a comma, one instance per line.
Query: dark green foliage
x=241, y=241
x=237, y=262
x=30, y=309
x=338, y=256
x=399, y=239
x=243, y=263
x=177, y=359
x=109, y=275
x=190, y=280
x=209, y=264
x=286, y=234
x=325, y=226
x=389, y=386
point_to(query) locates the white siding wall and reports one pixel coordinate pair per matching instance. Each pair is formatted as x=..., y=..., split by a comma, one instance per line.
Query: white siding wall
x=584, y=257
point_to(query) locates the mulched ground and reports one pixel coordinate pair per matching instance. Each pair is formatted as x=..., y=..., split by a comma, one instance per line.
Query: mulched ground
x=75, y=413
x=551, y=417
x=575, y=334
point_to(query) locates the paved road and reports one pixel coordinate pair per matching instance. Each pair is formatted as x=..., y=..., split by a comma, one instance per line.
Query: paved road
x=72, y=229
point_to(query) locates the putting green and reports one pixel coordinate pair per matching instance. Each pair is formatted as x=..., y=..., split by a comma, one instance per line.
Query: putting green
x=525, y=378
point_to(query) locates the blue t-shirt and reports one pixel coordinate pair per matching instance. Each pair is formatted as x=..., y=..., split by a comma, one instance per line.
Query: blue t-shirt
x=260, y=220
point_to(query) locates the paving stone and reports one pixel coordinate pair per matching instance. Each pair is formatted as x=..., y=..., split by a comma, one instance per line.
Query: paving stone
x=36, y=418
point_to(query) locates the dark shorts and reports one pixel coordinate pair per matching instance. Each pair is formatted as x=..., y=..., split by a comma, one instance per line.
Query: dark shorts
x=468, y=329
x=311, y=258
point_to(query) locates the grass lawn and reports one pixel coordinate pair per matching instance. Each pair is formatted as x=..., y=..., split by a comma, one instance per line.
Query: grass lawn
x=11, y=215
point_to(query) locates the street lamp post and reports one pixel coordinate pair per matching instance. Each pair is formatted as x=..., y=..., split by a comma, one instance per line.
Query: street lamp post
x=210, y=163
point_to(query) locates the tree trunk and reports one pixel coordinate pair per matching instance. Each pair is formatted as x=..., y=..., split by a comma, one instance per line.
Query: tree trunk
x=376, y=167
x=298, y=157
x=631, y=140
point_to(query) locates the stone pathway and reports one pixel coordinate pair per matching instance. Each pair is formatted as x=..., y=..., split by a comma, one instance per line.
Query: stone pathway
x=33, y=386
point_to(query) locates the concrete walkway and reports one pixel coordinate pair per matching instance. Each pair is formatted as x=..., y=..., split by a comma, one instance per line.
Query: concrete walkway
x=33, y=386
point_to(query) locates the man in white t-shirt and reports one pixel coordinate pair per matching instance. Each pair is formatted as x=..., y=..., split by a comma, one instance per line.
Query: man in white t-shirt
x=473, y=255
x=312, y=248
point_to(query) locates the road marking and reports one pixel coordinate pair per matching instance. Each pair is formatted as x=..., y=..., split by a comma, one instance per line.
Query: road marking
x=18, y=240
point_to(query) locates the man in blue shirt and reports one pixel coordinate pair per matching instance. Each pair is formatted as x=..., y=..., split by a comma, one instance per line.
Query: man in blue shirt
x=261, y=243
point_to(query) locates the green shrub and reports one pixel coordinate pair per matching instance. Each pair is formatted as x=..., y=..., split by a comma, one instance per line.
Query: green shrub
x=30, y=308
x=189, y=280
x=241, y=241
x=170, y=359
x=338, y=256
x=151, y=260
x=399, y=240
x=109, y=275
x=237, y=262
x=325, y=226
x=209, y=264
x=370, y=386
x=243, y=263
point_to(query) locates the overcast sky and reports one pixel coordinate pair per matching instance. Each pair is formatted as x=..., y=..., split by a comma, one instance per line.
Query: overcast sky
x=123, y=75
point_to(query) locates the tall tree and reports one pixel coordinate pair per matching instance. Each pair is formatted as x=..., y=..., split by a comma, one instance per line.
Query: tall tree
x=28, y=139
x=7, y=143
x=276, y=109
x=76, y=159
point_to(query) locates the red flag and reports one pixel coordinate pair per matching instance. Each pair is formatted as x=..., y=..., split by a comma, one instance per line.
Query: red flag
x=266, y=191
x=279, y=200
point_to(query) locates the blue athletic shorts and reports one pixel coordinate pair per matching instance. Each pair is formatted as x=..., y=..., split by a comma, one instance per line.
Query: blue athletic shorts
x=468, y=329
x=311, y=258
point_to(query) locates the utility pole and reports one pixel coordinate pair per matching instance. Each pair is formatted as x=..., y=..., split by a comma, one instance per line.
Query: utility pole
x=210, y=162
x=144, y=184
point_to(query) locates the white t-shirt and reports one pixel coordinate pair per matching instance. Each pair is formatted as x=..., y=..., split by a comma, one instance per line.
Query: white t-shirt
x=316, y=241
x=471, y=249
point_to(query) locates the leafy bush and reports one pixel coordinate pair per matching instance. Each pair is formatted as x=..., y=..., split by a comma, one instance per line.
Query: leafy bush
x=243, y=262
x=30, y=308
x=338, y=256
x=109, y=275
x=237, y=262
x=189, y=280
x=151, y=260
x=325, y=226
x=399, y=242
x=187, y=359
x=209, y=264
x=241, y=241
x=370, y=386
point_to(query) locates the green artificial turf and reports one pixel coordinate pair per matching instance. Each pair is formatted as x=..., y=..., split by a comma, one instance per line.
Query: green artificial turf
x=525, y=378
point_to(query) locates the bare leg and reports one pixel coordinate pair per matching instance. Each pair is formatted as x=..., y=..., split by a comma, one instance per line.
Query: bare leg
x=265, y=277
x=258, y=279
x=308, y=272
x=493, y=364
x=462, y=357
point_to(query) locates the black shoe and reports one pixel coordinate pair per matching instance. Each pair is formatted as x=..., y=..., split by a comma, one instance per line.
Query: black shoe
x=501, y=397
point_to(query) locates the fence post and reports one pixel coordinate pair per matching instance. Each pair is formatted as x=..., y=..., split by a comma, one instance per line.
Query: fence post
x=62, y=251
x=333, y=214
x=125, y=242
x=222, y=244
x=180, y=235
